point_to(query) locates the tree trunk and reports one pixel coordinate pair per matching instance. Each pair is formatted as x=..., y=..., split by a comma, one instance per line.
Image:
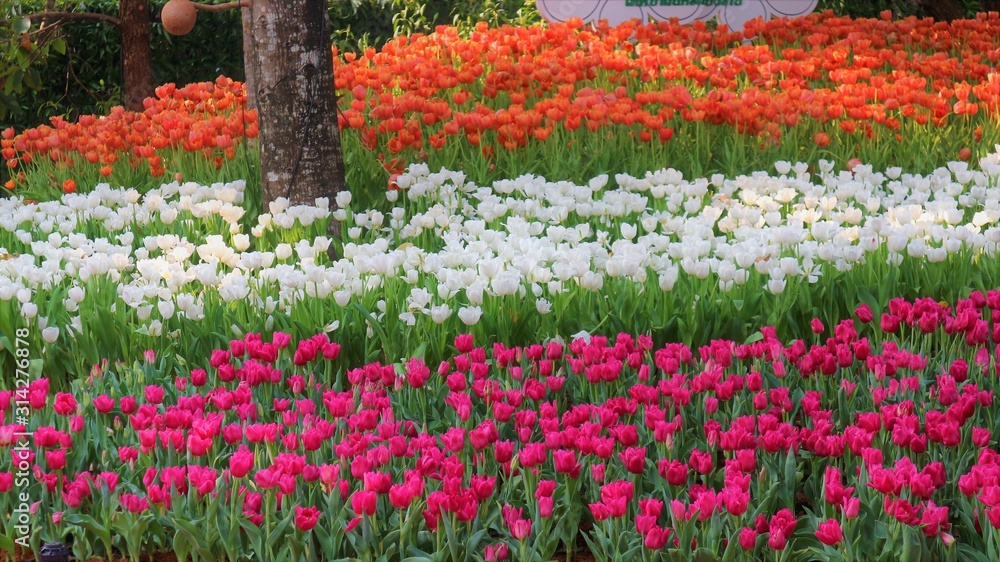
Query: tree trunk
x=249, y=65
x=300, y=155
x=990, y=5
x=137, y=59
x=942, y=10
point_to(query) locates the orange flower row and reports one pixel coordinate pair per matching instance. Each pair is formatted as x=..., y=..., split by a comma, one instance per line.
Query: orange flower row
x=509, y=86
x=205, y=117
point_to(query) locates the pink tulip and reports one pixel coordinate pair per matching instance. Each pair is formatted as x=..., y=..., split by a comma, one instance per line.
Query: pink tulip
x=306, y=517
x=829, y=532
x=363, y=502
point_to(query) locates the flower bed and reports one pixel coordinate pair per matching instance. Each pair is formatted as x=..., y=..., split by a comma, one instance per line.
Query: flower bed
x=851, y=443
x=688, y=260
x=569, y=101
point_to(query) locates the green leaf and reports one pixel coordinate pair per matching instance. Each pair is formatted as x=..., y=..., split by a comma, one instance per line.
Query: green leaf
x=252, y=531
x=196, y=537
x=32, y=79
x=790, y=479
x=21, y=25
x=703, y=555
x=58, y=45
x=597, y=551
x=280, y=528
x=7, y=543
x=13, y=83
x=181, y=545
x=967, y=552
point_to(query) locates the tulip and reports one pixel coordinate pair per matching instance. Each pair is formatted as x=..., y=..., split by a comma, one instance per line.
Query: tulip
x=56, y=459
x=634, y=459
x=363, y=502
x=829, y=532
x=241, y=462
x=565, y=463
x=104, y=404
x=64, y=404
x=748, y=538
x=306, y=517
x=520, y=529
x=496, y=552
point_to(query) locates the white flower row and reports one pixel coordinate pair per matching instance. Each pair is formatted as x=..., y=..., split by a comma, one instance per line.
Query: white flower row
x=451, y=245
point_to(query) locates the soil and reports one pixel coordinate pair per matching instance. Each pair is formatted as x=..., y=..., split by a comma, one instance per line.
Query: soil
x=22, y=555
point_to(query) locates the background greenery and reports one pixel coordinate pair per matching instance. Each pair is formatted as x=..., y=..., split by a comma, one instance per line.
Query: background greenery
x=86, y=78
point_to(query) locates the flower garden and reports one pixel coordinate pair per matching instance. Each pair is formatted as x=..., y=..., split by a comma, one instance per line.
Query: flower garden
x=654, y=291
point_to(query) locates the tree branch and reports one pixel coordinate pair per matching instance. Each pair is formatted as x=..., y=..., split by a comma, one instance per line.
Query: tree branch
x=222, y=7
x=44, y=16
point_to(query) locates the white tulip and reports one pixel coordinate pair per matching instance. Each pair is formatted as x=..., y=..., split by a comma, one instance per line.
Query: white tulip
x=776, y=286
x=50, y=334
x=440, y=313
x=469, y=315
x=76, y=294
x=166, y=309
x=283, y=251
x=29, y=310
x=241, y=242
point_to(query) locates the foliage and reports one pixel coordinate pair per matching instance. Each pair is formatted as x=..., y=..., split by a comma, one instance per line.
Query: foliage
x=85, y=75
x=24, y=50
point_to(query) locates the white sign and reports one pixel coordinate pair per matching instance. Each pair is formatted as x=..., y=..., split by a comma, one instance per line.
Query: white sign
x=734, y=13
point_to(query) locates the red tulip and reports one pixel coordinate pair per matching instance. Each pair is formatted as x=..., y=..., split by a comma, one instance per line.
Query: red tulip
x=656, y=538
x=154, y=394
x=864, y=313
x=64, y=404
x=104, y=404
x=566, y=463
x=55, y=459
x=199, y=377
x=521, y=529
x=748, y=538
x=829, y=532
x=133, y=503
x=401, y=496
x=306, y=517
x=634, y=459
x=363, y=502
x=496, y=552
x=378, y=482
x=202, y=478
x=463, y=343
x=545, y=506
x=241, y=462
x=852, y=507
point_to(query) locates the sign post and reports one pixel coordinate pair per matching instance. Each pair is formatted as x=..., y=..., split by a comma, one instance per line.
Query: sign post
x=734, y=13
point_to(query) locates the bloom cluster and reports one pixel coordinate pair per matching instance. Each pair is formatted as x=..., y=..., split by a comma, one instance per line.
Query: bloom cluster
x=504, y=451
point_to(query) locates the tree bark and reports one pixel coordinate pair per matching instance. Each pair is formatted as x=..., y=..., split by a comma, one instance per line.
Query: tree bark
x=137, y=58
x=990, y=5
x=300, y=154
x=942, y=10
